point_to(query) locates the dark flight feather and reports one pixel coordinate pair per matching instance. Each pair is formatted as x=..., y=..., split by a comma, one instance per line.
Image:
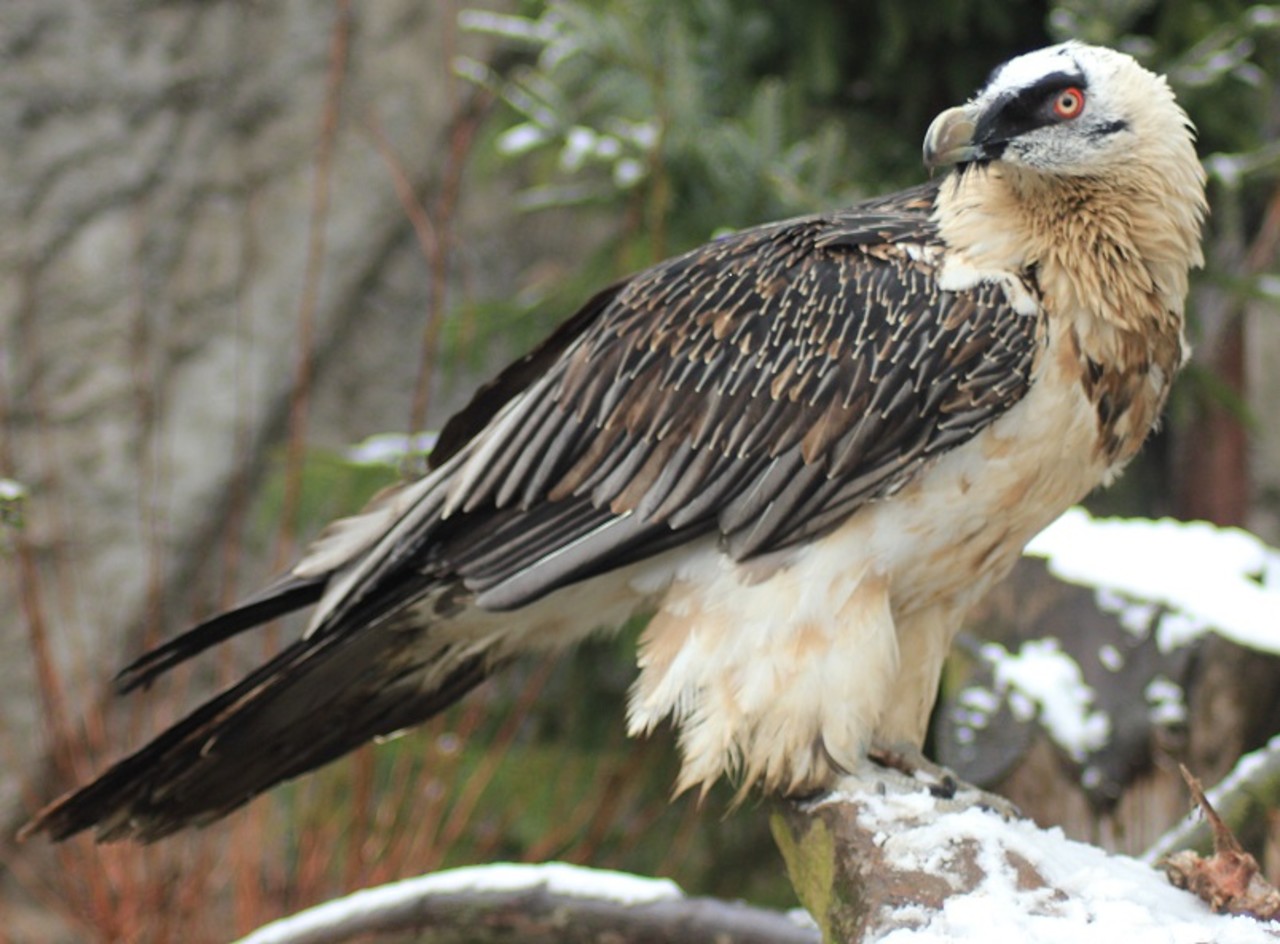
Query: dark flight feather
x=279, y=599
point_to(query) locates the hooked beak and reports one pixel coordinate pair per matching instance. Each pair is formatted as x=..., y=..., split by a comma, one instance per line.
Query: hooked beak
x=950, y=139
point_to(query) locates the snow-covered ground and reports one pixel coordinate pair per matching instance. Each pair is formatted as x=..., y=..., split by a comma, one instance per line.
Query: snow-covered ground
x=1086, y=894
x=1080, y=894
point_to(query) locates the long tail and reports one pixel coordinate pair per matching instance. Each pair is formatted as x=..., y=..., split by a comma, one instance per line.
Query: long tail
x=319, y=698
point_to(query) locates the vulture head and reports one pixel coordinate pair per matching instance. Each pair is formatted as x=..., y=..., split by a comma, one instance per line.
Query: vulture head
x=1071, y=110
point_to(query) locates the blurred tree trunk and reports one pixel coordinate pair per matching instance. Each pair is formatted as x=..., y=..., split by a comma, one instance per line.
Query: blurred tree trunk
x=1214, y=479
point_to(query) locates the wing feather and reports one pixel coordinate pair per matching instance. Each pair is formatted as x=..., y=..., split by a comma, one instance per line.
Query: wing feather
x=762, y=387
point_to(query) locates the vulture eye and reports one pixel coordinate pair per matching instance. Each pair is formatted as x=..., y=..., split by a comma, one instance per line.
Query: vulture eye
x=1069, y=103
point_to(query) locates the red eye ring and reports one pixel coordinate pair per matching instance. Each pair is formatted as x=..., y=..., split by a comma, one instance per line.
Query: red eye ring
x=1068, y=103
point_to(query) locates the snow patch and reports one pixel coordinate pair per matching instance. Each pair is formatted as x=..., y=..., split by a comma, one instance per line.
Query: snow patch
x=390, y=448
x=1222, y=579
x=1111, y=658
x=580, y=143
x=1167, y=702
x=557, y=878
x=628, y=172
x=972, y=711
x=521, y=138
x=1050, y=679
x=1088, y=894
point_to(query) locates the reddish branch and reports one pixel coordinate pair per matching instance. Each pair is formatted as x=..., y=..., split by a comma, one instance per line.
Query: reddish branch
x=1230, y=880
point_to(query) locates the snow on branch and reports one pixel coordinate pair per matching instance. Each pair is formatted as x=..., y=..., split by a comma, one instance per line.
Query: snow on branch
x=534, y=903
x=1204, y=577
x=895, y=865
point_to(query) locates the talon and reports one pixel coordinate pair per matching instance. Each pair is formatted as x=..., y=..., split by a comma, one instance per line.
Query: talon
x=946, y=788
x=941, y=782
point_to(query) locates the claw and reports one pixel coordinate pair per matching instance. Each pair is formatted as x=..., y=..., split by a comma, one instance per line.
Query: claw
x=941, y=782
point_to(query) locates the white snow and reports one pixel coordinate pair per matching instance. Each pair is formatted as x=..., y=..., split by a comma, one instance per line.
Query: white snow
x=1263, y=17
x=1246, y=768
x=980, y=700
x=390, y=448
x=972, y=711
x=1268, y=284
x=628, y=172
x=643, y=135
x=1228, y=168
x=1046, y=676
x=580, y=143
x=802, y=919
x=520, y=138
x=1134, y=616
x=1091, y=896
x=557, y=877
x=1166, y=700
x=1111, y=658
x=1222, y=579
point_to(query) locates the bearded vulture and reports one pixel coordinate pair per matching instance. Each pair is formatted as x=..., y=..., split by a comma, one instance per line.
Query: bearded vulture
x=806, y=449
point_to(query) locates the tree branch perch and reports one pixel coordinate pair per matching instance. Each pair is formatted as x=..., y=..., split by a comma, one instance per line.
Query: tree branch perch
x=532, y=904
x=870, y=862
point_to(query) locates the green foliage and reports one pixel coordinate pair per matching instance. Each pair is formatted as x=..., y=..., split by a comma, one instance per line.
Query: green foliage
x=698, y=116
x=658, y=125
x=332, y=485
x=666, y=115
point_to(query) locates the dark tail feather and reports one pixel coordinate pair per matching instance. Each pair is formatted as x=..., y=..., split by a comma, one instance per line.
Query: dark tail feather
x=282, y=597
x=318, y=699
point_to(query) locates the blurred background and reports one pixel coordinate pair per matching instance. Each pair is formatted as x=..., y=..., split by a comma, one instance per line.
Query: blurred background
x=239, y=239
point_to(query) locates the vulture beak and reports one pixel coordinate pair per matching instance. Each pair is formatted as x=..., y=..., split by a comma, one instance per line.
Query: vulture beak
x=950, y=139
